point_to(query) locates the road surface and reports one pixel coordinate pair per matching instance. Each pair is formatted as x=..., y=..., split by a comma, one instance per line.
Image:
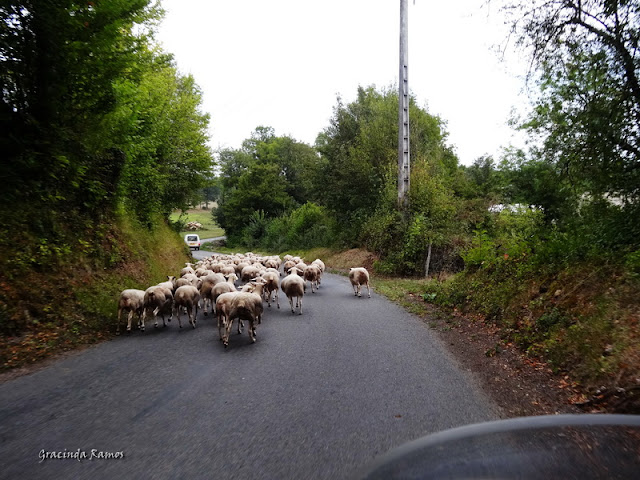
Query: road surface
x=318, y=396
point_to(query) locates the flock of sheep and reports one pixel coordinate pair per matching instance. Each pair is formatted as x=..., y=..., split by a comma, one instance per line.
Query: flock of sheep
x=212, y=283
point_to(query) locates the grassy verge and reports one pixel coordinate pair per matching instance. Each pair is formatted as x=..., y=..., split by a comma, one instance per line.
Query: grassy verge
x=75, y=304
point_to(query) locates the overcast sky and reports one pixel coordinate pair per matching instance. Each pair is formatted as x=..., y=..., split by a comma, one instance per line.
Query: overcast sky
x=282, y=63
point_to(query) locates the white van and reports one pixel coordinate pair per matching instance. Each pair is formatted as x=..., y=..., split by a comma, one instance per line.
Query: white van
x=192, y=240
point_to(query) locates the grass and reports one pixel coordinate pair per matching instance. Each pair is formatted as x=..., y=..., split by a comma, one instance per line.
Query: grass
x=406, y=292
x=210, y=228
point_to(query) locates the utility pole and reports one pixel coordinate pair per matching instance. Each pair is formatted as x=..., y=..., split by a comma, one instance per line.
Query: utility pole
x=403, y=108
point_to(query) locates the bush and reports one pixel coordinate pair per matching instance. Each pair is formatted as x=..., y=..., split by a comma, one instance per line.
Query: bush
x=306, y=227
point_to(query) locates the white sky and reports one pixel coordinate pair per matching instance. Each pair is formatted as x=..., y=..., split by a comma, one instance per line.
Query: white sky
x=282, y=63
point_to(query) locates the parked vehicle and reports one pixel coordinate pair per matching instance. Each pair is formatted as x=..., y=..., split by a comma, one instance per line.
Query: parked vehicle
x=192, y=240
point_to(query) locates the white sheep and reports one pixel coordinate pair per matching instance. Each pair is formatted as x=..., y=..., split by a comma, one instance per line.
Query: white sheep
x=246, y=306
x=358, y=277
x=227, y=270
x=223, y=308
x=170, y=283
x=220, y=288
x=272, y=262
x=156, y=300
x=288, y=265
x=131, y=301
x=301, y=266
x=187, y=297
x=293, y=285
x=167, y=308
x=322, y=266
x=208, y=283
x=190, y=279
x=187, y=269
x=249, y=272
x=320, y=263
x=240, y=305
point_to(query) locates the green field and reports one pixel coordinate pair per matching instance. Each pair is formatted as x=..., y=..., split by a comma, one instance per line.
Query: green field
x=209, y=229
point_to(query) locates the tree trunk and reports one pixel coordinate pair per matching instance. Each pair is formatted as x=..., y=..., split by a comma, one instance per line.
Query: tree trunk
x=428, y=262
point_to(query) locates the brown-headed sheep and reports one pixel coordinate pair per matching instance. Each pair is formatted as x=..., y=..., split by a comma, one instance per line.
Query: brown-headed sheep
x=358, y=277
x=272, y=279
x=312, y=274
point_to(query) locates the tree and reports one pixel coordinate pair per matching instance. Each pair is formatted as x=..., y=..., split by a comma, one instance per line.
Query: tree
x=58, y=65
x=359, y=150
x=586, y=60
x=269, y=174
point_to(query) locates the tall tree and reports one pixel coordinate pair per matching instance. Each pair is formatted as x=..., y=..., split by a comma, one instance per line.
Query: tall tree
x=586, y=58
x=93, y=113
x=58, y=64
x=359, y=151
x=269, y=174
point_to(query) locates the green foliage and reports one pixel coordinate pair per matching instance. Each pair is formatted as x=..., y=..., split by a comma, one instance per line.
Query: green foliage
x=585, y=115
x=60, y=63
x=96, y=124
x=632, y=263
x=269, y=174
x=164, y=138
x=95, y=116
x=515, y=235
x=306, y=227
x=359, y=150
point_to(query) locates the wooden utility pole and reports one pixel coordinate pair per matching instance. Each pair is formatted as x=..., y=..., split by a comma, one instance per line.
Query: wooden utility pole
x=403, y=108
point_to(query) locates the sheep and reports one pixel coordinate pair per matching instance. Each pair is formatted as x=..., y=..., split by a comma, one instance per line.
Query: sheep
x=294, y=286
x=301, y=266
x=187, y=297
x=239, y=266
x=190, y=279
x=312, y=274
x=358, y=277
x=320, y=264
x=227, y=270
x=131, y=301
x=256, y=287
x=272, y=286
x=156, y=299
x=288, y=265
x=220, y=288
x=217, y=267
x=201, y=271
x=187, y=269
x=170, y=283
x=167, y=308
x=208, y=283
x=249, y=272
x=272, y=262
x=245, y=306
x=223, y=307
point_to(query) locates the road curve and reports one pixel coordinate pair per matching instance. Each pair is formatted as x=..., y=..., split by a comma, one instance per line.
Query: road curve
x=318, y=396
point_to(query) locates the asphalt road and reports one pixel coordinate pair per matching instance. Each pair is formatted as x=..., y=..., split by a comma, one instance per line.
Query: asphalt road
x=317, y=396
